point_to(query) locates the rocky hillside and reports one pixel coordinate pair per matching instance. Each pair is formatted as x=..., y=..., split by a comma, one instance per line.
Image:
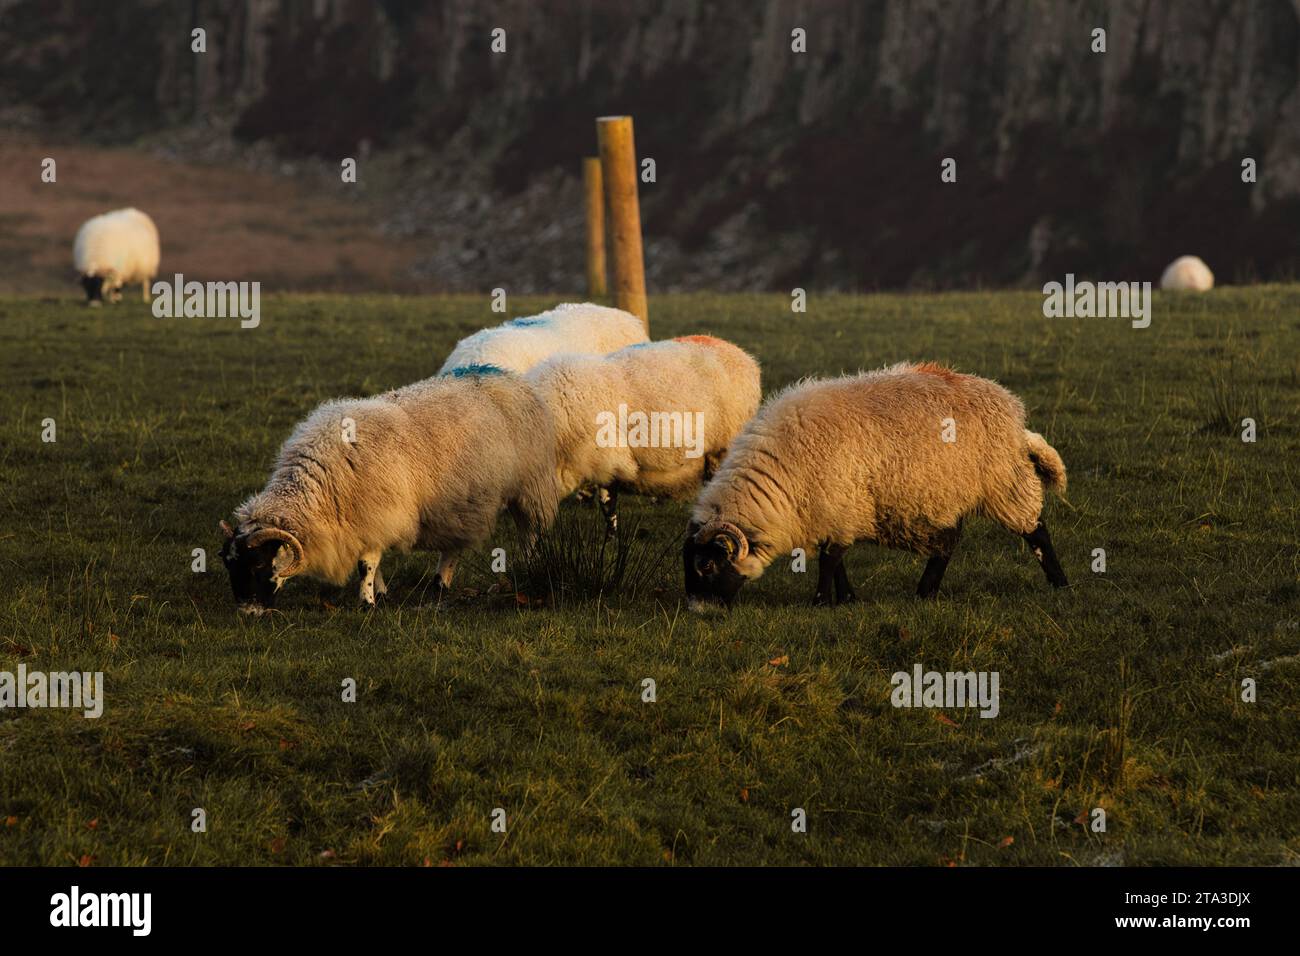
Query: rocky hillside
x=774, y=168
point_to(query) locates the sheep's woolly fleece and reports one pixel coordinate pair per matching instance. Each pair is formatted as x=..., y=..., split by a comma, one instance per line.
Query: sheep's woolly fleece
x=431, y=467
x=119, y=246
x=675, y=379
x=1188, y=273
x=518, y=345
x=863, y=458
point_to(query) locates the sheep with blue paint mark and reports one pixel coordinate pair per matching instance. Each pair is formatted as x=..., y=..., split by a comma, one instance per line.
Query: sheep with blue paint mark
x=429, y=467
x=651, y=419
x=518, y=345
x=114, y=249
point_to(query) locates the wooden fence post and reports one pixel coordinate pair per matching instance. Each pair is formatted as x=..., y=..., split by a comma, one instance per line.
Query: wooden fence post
x=619, y=171
x=595, y=191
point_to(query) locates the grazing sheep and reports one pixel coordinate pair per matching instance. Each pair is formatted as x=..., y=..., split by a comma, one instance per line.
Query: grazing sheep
x=652, y=419
x=518, y=345
x=897, y=457
x=428, y=466
x=114, y=249
x=1188, y=273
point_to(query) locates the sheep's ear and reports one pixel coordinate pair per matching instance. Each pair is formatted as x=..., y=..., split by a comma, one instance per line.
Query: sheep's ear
x=228, y=531
x=284, y=562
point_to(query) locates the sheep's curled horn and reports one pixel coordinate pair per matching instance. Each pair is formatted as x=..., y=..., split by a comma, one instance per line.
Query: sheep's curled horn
x=733, y=539
x=258, y=538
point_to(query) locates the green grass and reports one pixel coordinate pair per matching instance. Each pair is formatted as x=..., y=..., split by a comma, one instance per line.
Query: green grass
x=1122, y=692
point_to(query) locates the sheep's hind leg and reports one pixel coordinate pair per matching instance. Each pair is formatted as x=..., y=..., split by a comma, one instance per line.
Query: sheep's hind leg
x=945, y=545
x=144, y=291
x=367, y=568
x=1040, y=542
x=381, y=586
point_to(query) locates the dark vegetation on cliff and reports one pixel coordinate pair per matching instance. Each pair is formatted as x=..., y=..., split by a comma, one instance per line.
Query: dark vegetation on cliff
x=774, y=169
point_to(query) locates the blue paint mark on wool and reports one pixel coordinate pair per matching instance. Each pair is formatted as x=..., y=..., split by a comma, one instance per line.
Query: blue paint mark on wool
x=527, y=321
x=467, y=370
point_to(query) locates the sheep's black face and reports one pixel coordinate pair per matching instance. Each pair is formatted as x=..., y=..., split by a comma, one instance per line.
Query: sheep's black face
x=711, y=578
x=252, y=572
x=94, y=286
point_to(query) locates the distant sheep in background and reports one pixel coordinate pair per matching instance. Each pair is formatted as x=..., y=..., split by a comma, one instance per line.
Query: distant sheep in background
x=114, y=249
x=1188, y=273
x=518, y=345
x=897, y=457
x=652, y=419
x=428, y=466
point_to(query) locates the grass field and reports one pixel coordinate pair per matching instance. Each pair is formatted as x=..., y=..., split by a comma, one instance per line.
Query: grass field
x=1123, y=692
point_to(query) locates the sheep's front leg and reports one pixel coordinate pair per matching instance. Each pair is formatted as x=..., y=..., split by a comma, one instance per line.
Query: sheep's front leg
x=446, y=569
x=832, y=580
x=945, y=543
x=844, y=592
x=609, y=508
x=144, y=291
x=367, y=568
x=825, y=577
x=381, y=588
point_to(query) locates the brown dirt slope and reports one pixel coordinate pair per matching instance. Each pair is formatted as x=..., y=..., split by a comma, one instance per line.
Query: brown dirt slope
x=216, y=222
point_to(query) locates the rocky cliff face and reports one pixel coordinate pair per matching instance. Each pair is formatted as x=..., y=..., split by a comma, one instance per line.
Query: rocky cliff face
x=774, y=168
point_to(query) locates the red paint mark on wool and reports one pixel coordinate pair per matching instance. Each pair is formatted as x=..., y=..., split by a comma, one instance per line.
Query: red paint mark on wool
x=700, y=340
x=941, y=371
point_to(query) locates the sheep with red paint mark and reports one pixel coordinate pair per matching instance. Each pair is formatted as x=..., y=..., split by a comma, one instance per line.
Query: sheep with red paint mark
x=650, y=419
x=898, y=457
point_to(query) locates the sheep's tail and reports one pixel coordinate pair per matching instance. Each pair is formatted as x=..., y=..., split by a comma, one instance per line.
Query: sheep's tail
x=1046, y=461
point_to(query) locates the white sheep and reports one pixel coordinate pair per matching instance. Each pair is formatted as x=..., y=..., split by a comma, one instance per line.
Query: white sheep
x=518, y=345
x=114, y=249
x=897, y=457
x=428, y=466
x=651, y=419
x=1188, y=273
